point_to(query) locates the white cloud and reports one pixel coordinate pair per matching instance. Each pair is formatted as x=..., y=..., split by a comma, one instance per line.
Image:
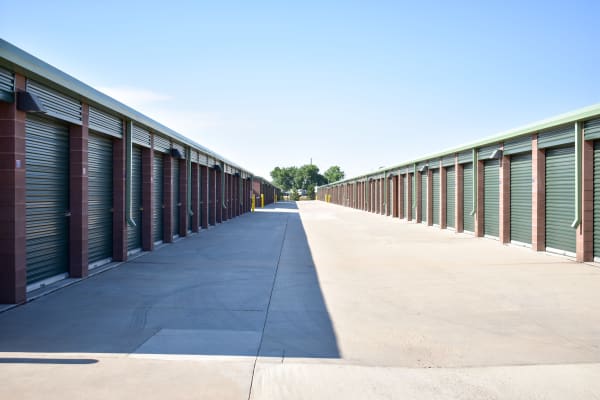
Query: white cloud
x=135, y=97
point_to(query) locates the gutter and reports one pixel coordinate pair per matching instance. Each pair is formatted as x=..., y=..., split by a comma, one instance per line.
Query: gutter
x=128, y=172
x=578, y=168
x=474, y=205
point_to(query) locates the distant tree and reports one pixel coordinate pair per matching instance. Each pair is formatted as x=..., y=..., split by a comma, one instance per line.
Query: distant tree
x=292, y=179
x=284, y=177
x=334, y=174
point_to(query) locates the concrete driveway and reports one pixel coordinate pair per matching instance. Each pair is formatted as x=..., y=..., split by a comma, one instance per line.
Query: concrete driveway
x=320, y=302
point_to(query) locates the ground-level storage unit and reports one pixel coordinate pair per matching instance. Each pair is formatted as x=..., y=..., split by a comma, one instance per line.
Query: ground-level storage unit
x=134, y=233
x=450, y=197
x=468, y=219
x=407, y=200
x=435, y=196
x=520, y=198
x=47, y=198
x=597, y=199
x=100, y=198
x=158, y=197
x=491, y=198
x=424, y=215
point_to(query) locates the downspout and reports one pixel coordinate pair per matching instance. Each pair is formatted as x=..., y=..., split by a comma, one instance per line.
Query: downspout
x=223, y=185
x=189, y=182
x=474, y=210
x=384, y=195
x=128, y=171
x=578, y=167
x=414, y=187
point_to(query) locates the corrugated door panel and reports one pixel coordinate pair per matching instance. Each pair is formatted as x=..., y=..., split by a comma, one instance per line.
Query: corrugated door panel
x=134, y=233
x=557, y=136
x=468, y=219
x=47, y=198
x=435, y=177
x=591, y=129
x=105, y=123
x=465, y=157
x=140, y=136
x=176, y=199
x=450, y=197
x=424, y=197
x=7, y=80
x=161, y=144
x=560, y=198
x=56, y=104
x=100, y=197
x=520, y=145
x=520, y=198
x=597, y=199
x=157, y=194
x=491, y=198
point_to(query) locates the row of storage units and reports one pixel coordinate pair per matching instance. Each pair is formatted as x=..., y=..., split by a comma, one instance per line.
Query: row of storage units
x=89, y=181
x=537, y=187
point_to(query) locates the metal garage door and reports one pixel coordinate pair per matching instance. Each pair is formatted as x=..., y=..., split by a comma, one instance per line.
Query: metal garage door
x=134, y=233
x=435, y=181
x=100, y=198
x=157, y=198
x=424, y=197
x=450, y=196
x=596, y=199
x=491, y=198
x=520, y=198
x=407, y=201
x=468, y=219
x=560, y=198
x=176, y=197
x=47, y=198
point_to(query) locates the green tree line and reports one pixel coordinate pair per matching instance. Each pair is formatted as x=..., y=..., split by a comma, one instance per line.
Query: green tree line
x=304, y=178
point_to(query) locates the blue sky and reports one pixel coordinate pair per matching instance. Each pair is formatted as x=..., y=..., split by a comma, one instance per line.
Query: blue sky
x=360, y=84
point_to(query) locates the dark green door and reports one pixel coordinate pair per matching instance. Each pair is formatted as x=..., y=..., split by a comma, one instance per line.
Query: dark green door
x=491, y=198
x=157, y=198
x=560, y=198
x=450, y=196
x=47, y=198
x=435, y=196
x=424, y=197
x=520, y=198
x=468, y=219
x=176, y=197
x=134, y=233
x=100, y=197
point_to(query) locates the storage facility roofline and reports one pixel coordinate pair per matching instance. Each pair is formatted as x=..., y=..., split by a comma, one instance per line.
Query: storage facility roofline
x=536, y=127
x=26, y=64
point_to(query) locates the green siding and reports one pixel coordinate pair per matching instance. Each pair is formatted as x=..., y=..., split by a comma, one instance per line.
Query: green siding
x=134, y=233
x=47, y=198
x=435, y=180
x=450, y=197
x=520, y=198
x=157, y=198
x=176, y=197
x=100, y=197
x=560, y=198
x=424, y=197
x=468, y=219
x=597, y=199
x=491, y=198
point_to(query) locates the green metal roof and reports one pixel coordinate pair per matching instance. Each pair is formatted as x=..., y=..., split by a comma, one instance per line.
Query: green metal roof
x=536, y=127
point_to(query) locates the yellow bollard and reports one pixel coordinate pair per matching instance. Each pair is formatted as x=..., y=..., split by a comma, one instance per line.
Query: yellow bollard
x=275, y=198
x=262, y=200
x=253, y=203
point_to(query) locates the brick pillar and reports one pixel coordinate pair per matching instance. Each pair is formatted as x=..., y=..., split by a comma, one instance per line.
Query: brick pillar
x=443, y=197
x=505, y=200
x=395, y=196
x=400, y=191
x=119, y=182
x=168, y=199
x=147, y=201
x=460, y=198
x=479, y=231
x=13, y=209
x=418, y=210
x=409, y=196
x=204, y=196
x=219, y=196
x=429, y=197
x=184, y=221
x=585, y=230
x=538, y=197
x=225, y=201
x=382, y=198
x=195, y=198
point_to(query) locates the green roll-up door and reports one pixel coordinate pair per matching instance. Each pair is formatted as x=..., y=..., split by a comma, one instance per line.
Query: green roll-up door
x=520, y=198
x=450, y=196
x=424, y=197
x=491, y=198
x=176, y=197
x=100, y=197
x=597, y=198
x=435, y=196
x=134, y=233
x=560, y=198
x=407, y=201
x=157, y=198
x=47, y=198
x=468, y=219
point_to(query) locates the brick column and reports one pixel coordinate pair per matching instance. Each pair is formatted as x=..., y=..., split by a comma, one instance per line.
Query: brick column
x=168, y=199
x=13, y=209
x=184, y=221
x=219, y=196
x=212, y=187
x=204, y=194
x=538, y=197
x=443, y=197
x=585, y=230
x=119, y=182
x=505, y=200
x=409, y=196
x=460, y=198
x=395, y=196
x=225, y=201
x=418, y=210
x=479, y=231
x=147, y=201
x=195, y=198
x=400, y=191
x=429, y=197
